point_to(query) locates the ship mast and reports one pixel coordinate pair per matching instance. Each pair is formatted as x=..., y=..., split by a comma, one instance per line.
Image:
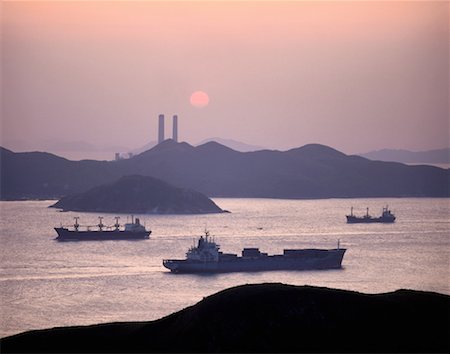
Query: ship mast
x=76, y=225
x=100, y=224
x=117, y=223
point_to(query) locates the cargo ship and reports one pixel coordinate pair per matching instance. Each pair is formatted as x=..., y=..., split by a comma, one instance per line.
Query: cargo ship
x=386, y=217
x=206, y=257
x=131, y=231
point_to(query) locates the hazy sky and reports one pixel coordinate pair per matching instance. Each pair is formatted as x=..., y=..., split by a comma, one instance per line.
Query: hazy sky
x=356, y=76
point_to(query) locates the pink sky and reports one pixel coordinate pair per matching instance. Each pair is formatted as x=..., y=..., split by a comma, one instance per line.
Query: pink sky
x=356, y=76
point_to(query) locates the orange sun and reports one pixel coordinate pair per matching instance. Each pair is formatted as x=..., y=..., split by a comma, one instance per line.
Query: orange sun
x=199, y=99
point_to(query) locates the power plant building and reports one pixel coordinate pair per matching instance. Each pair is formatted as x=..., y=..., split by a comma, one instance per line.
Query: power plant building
x=161, y=128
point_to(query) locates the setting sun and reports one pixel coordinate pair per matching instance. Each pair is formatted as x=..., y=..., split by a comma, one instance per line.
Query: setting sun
x=199, y=99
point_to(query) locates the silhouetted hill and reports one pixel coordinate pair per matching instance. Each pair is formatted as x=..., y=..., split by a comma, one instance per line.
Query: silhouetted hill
x=40, y=175
x=314, y=150
x=214, y=147
x=230, y=143
x=146, y=147
x=406, y=156
x=311, y=171
x=233, y=144
x=269, y=318
x=139, y=194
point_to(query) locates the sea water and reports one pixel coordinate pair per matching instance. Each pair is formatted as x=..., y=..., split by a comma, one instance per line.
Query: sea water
x=45, y=283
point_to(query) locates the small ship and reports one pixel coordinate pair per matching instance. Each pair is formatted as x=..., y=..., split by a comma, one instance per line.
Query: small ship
x=386, y=217
x=131, y=231
x=206, y=257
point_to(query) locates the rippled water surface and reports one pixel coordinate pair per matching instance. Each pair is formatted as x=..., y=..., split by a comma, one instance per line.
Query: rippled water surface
x=45, y=283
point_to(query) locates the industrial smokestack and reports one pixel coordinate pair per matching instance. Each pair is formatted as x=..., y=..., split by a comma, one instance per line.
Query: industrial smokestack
x=175, y=128
x=161, y=129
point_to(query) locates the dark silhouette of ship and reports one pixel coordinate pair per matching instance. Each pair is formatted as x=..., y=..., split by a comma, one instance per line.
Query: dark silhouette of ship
x=131, y=231
x=386, y=217
x=206, y=258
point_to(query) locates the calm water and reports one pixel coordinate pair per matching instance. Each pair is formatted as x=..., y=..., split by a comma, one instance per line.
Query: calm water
x=45, y=283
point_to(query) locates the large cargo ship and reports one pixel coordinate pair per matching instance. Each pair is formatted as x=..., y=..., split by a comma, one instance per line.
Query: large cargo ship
x=131, y=231
x=205, y=257
x=386, y=217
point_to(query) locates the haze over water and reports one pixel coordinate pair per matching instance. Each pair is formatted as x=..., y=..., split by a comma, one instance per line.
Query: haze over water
x=45, y=283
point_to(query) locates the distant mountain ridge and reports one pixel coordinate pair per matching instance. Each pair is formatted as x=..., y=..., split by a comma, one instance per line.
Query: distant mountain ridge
x=72, y=149
x=441, y=156
x=233, y=144
x=311, y=171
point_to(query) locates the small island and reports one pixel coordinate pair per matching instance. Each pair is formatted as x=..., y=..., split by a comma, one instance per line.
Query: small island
x=139, y=195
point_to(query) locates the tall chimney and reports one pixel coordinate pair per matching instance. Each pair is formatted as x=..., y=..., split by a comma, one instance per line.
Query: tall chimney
x=175, y=128
x=161, y=129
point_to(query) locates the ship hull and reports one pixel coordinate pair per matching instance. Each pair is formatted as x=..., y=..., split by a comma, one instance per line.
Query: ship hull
x=72, y=235
x=310, y=260
x=365, y=220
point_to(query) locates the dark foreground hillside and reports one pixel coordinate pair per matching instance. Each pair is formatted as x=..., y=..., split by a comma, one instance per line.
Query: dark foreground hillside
x=268, y=318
